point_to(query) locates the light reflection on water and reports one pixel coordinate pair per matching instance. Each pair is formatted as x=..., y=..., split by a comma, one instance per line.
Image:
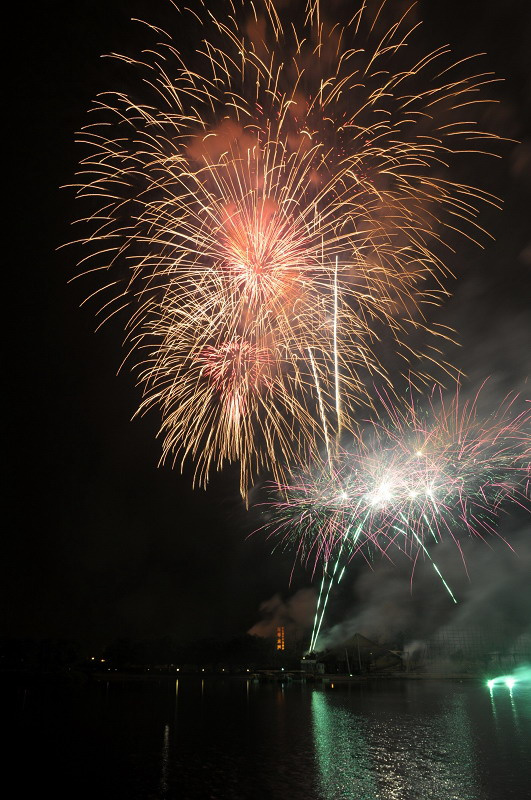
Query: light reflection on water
x=233, y=739
x=165, y=761
x=392, y=756
x=342, y=751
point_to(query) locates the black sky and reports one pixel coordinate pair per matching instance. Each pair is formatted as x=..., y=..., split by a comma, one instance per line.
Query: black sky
x=101, y=542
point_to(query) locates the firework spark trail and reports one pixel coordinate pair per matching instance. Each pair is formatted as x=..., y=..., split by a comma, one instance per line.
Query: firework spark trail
x=336, y=361
x=426, y=553
x=321, y=406
x=320, y=612
x=227, y=198
x=316, y=617
x=416, y=474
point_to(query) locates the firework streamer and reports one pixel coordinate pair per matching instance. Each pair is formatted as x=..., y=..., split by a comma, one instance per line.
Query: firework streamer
x=320, y=612
x=336, y=361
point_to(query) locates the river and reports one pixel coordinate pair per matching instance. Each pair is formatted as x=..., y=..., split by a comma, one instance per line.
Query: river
x=234, y=739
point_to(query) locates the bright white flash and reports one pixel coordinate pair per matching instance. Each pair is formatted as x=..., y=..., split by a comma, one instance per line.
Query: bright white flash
x=381, y=495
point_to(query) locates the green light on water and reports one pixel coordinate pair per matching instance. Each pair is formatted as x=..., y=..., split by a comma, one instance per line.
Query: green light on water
x=508, y=680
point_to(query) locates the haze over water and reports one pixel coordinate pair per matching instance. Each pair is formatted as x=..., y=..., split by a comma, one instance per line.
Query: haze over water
x=232, y=739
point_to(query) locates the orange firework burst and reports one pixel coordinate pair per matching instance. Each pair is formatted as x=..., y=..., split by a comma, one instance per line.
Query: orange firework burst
x=219, y=392
x=270, y=213
x=232, y=368
x=265, y=257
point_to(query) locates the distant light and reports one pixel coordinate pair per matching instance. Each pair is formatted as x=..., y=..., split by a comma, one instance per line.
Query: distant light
x=490, y=684
x=413, y=493
x=203, y=669
x=509, y=682
x=282, y=669
x=344, y=496
x=92, y=658
x=248, y=670
x=177, y=669
x=419, y=453
x=102, y=660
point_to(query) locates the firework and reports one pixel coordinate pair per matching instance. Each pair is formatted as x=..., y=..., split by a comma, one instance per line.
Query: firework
x=231, y=390
x=424, y=473
x=268, y=213
x=419, y=476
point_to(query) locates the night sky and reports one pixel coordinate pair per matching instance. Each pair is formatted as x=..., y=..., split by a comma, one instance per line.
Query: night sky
x=101, y=542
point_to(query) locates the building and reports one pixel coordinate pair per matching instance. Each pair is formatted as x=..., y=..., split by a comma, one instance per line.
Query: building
x=356, y=655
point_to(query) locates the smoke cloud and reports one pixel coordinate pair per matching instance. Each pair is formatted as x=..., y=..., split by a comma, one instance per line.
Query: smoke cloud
x=388, y=604
x=295, y=615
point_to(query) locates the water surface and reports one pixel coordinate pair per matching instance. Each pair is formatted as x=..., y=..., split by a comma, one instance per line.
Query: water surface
x=232, y=739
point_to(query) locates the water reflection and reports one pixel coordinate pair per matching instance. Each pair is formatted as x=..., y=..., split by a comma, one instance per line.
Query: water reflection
x=513, y=708
x=342, y=752
x=235, y=739
x=457, y=737
x=367, y=750
x=165, y=762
